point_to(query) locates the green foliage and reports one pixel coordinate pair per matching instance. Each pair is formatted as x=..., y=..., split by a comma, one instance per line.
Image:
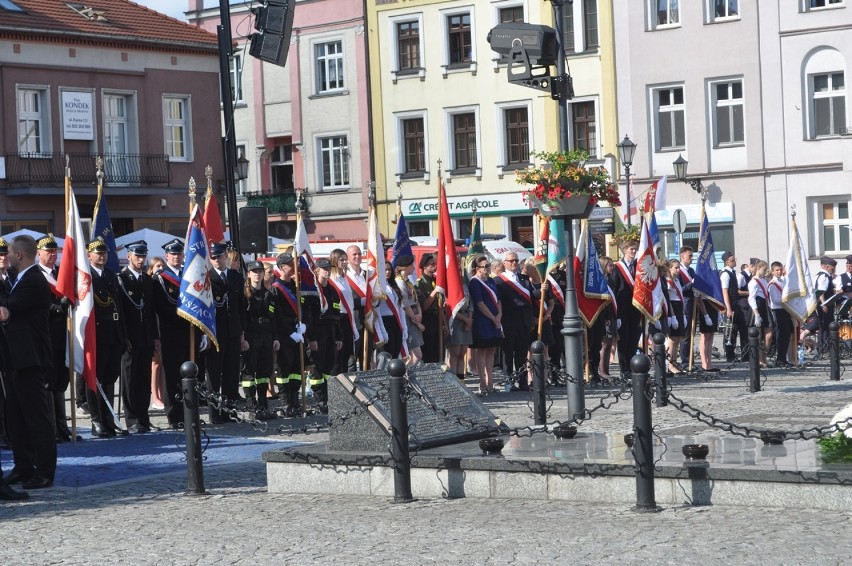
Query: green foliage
x=837, y=448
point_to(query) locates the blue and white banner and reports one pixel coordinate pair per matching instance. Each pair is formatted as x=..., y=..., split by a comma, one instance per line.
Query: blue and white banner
x=401, y=243
x=196, y=297
x=707, y=281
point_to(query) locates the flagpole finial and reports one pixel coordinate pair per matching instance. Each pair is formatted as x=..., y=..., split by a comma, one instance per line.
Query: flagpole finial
x=371, y=193
x=793, y=210
x=439, y=167
x=67, y=165
x=99, y=168
x=192, y=190
x=299, y=201
x=208, y=172
x=475, y=206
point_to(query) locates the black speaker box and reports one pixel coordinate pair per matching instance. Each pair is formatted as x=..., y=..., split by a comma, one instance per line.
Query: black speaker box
x=254, y=229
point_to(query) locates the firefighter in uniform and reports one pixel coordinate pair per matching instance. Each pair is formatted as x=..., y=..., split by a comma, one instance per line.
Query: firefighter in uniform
x=261, y=333
x=137, y=296
x=825, y=295
x=324, y=339
x=110, y=336
x=173, y=330
x=293, y=330
x=223, y=365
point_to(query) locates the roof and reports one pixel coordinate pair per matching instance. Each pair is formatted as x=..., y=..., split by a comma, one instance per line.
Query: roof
x=109, y=21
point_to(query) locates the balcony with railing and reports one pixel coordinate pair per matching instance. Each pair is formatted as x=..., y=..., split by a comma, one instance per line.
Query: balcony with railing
x=28, y=169
x=279, y=201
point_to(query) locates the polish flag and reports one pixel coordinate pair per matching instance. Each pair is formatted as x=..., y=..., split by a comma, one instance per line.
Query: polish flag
x=74, y=281
x=448, y=276
x=211, y=219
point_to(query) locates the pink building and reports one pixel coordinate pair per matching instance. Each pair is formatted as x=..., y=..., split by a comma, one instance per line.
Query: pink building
x=117, y=80
x=305, y=126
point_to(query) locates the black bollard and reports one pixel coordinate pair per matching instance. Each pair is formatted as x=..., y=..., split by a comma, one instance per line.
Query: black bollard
x=754, y=360
x=192, y=428
x=538, y=364
x=834, y=338
x=643, y=448
x=660, y=369
x=399, y=434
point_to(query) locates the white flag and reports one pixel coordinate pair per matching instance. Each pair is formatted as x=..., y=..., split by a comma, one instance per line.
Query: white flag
x=798, y=295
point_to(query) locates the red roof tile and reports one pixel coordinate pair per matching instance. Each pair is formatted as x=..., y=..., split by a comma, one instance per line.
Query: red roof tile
x=126, y=22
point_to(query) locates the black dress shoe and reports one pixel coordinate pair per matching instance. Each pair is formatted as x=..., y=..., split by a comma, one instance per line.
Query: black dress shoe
x=37, y=482
x=100, y=431
x=16, y=477
x=151, y=427
x=138, y=428
x=9, y=494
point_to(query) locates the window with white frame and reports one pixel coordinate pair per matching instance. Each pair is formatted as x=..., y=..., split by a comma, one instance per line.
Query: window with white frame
x=281, y=167
x=413, y=134
x=510, y=13
x=670, y=118
x=818, y=4
x=584, y=127
x=724, y=9
x=462, y=123
x=664, y=13
x=33, y=131
x=329, y=63
x=729, y=113
x=334, y=162
x=458, y=28
x=120, y=135
x=516, y=133
x=586, y=37
x=408, y=45
x=236, y=68
x=176, y=125
x=833, y=218
x=828, y=91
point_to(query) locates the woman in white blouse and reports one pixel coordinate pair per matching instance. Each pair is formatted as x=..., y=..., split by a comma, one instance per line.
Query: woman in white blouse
x=758, y=293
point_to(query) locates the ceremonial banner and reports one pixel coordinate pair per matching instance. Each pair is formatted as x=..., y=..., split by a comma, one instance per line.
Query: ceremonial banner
x=707, y=282
x=448, y=276
x=541, y=245
x=375, y=277
x=102, y=226
x=475, y=248
x=798, y=296
x=589, y=280
x=647, y=289
x=401, y=242
x=302, y=250
x=212, y=221
x=196, y=297
x=74, y=281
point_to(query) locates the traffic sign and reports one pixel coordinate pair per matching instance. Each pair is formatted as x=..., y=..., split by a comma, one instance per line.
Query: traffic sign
x=679, y=221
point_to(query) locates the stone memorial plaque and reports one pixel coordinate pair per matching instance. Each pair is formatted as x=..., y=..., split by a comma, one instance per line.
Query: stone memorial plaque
x=441, y=410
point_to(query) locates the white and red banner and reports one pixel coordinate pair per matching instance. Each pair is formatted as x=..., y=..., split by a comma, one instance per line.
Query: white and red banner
x=74, y=281
x=448, y=276
x=647, y=288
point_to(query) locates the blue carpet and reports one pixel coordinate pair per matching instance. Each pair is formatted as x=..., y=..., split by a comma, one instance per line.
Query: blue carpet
x=103, y=460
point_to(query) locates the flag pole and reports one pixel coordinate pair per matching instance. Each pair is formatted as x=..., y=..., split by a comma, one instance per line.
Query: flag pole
x=695, y=300
x=208, y=171
x=452, y=244
x=371, y=199
x=540, y=243
x=297, y=262
x=69, y=322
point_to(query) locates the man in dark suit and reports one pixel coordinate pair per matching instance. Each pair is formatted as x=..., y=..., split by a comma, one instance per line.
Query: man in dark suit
x=46, y=250
x=516, y=295
x=137, y=302
x=111, y=339
x=223, y=365
x=629, y=322
x=174, y=330
x=29, y=403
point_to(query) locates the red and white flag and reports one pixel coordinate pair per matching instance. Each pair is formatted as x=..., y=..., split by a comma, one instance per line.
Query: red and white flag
x=448, y=276
x=375, y=277
x=211, y=219
x=647, y=288
x=655, y=198
x=74, y=281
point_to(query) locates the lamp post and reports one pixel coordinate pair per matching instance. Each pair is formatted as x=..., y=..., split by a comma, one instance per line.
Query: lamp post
x=626, y=151
x=680, y=165
x=241, y=170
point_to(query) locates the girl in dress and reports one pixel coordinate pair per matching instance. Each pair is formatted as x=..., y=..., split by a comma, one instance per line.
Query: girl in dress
x=758, y=294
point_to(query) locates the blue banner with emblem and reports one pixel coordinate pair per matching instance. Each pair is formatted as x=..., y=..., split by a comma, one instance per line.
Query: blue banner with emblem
x=401, y=243
x=196, y=296
x=707, y=281
x=102, y=226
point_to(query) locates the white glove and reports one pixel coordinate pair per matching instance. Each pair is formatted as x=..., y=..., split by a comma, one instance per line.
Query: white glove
x=657, y=325
x=707, y=320
x=758, y=322
x=301, y=328
x=618, y=324
x=673, y=322
x=296, y=337
x=683, y=320
x=204, y=343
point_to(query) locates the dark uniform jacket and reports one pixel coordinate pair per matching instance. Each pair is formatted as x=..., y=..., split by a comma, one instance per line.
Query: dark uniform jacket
x=137, y=298
x=109, y=310
x=230, y=300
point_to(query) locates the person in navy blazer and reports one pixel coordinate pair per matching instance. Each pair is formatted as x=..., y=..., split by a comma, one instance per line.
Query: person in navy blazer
x=29, y=405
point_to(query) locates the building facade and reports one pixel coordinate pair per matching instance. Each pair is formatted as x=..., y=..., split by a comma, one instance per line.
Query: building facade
x=305, y=126
x=118, y=81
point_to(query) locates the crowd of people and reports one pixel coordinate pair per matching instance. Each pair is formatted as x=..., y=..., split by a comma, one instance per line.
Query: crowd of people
x=271, y=334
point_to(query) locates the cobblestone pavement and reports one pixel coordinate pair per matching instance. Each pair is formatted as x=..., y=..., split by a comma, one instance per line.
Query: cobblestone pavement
x=150, y=520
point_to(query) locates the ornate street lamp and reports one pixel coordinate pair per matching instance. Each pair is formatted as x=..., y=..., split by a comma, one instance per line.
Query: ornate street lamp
x=626, y=151
x=680, y=165
x=241, y=171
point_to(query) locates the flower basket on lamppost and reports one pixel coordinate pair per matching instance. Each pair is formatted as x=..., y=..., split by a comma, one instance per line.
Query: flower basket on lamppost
x=564, y=187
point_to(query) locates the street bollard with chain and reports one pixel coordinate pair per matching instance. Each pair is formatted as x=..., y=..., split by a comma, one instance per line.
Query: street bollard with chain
x=539, y=401
x=643, y=447
x=192, y=428
x=660, y=369
x=753, y=360
x=834, y=340
x=399, y=433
